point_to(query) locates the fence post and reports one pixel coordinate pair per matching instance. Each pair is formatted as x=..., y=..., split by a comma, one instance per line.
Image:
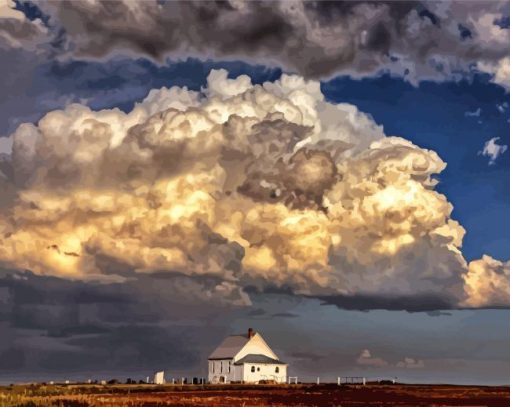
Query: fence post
x=338, y=381
x=318, y=380
x=364, y=381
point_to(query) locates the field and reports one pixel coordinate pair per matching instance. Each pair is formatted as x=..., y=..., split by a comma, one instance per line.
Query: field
x=262, y=395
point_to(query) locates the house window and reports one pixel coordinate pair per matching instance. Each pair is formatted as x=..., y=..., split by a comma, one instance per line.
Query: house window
x=229, y=363
x=212, y=363
x=277, y=369
x=221, y=366
x=258, y=369
x=253, y=369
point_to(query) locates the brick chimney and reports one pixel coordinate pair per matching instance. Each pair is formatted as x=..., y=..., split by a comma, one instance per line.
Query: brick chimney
x=251, y=332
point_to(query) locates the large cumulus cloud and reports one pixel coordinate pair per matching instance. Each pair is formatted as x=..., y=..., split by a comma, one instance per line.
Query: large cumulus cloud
x=266, y=186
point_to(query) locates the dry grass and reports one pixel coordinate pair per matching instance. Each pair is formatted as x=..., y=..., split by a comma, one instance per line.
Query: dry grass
x=251, y=396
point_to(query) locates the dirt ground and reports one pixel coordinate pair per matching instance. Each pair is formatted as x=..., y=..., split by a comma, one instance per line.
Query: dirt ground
x=251, y=396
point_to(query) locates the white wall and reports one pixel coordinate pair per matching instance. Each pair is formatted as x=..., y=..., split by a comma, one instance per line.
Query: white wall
x=264, y=372
x=218, y=368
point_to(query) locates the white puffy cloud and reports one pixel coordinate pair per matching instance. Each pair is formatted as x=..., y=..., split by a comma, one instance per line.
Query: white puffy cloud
x=500, y=71
x=488, y=283
x=493, y=150
x=366, y=359
x=248, y=185
x=7, y=10
x=491, y=35
x=411, y=363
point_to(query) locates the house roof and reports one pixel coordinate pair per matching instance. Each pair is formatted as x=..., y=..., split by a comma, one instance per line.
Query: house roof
x=252, y=358
x=230, y=347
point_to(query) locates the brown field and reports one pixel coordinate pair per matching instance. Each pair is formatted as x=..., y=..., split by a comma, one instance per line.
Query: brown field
x=262, y=395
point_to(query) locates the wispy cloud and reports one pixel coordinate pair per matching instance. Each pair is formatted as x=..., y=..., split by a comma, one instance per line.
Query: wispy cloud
x=474, y=113
x=493, y=150
x=502, y=107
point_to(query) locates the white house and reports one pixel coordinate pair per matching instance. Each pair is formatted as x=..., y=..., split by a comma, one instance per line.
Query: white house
x=245, y=358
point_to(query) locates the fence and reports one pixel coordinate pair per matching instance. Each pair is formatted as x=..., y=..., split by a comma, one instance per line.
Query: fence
x=352, y=380
x=341, y=380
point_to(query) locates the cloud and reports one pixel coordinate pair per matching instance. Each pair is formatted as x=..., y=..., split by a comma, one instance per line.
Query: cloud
x=237, y=186
x=413, y=40
x=366, y=359
x=53, y=327
x=475, y=113
x=17, y=31
x=438, y=313
x=410, y=363
x=500, y=71
x=5, y=146
x=502, y=107
x=388, y=301
x=493, y=150
x=488, y=283
x=196, y=185
x=312, y=38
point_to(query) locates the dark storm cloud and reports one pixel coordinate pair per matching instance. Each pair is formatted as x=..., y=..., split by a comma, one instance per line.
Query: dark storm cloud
x=418, y=40
x=99, y=331
x=411, y=39
x=314, y=38
x=51, y=325
x=415, y=303
x=432, y=303
x=437, y=313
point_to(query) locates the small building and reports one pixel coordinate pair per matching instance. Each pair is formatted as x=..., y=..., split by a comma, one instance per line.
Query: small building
x=245, y=358
x=159, y=377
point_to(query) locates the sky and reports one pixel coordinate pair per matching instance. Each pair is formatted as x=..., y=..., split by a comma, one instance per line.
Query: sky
x=333, y=175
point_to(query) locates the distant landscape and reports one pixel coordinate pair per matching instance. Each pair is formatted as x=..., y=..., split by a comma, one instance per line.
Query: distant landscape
x=60, y=395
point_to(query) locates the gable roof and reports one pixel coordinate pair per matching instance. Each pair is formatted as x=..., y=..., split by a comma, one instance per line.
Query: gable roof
x=252, y=358
x=230, y=347
x=256, y=346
